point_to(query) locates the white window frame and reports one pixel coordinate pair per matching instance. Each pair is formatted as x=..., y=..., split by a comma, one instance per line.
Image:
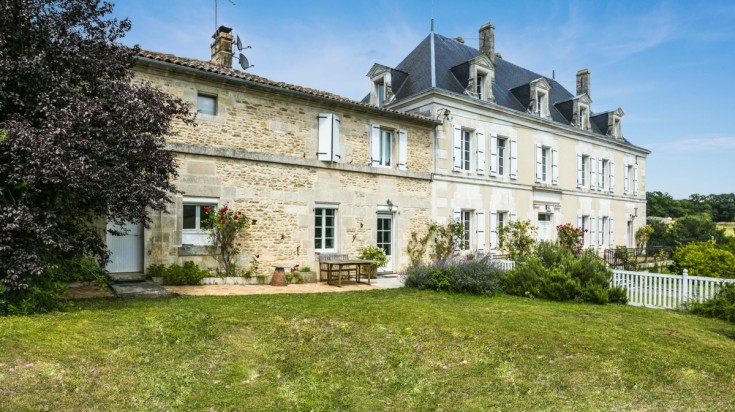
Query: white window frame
x=547, y=165
x=320, y=232
x=542, y=103
x=385, y=148
x=466, y=150
x=380, y=91
x=466, y=220
x=207, y=96
x=585, y=170
x=502, y=155
x=196, y=236
x=584, y=117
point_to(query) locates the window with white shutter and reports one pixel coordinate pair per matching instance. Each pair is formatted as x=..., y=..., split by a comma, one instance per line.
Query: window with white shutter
x=626, y=178
x=494, y=227
x=328, y=138
x=593, y=232
x=611, y=237
x=494, y=154
x=554, y=167
x=635, y=180
x=480, y=231
x=539, y=165
x=593, y=174
x=513, y=158
x=456, y=148
x=612, y=176
x=375, y=153
x=480, y=152
x=402, y=150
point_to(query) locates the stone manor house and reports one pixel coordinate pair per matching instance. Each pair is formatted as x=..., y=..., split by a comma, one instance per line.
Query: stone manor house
x=450, y=132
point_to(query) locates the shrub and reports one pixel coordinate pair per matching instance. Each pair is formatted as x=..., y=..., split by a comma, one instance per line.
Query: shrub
x=518, y=239
x=721, y=306
x=705, y=259
x=156, y=270
x=570, y=237
x=79, y=269
x=376, y=254
x=554, y=273
x=225, y=226
x=188, y=274
x=465, y=276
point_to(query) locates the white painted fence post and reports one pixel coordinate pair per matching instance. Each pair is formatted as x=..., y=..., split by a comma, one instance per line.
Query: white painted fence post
x=684, y=286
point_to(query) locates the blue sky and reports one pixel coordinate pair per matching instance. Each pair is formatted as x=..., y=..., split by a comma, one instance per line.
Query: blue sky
x=666, y=63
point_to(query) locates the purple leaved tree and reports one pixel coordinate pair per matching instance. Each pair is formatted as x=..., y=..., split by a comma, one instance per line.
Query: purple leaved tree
x=80, y=142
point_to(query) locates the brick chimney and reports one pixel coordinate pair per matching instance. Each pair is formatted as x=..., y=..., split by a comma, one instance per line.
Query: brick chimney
x=487, y=40
x=583, y=82
x=222, y=47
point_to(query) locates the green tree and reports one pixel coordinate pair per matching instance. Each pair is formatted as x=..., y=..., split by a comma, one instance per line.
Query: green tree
x=705, y=259
x=80, y=142
x=518, y=239
x=695, y=228
x=664, y=205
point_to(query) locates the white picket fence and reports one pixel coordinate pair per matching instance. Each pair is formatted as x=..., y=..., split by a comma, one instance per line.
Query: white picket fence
x=665, y=291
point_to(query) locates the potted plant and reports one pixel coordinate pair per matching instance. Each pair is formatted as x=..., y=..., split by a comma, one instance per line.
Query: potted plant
x=377, y=255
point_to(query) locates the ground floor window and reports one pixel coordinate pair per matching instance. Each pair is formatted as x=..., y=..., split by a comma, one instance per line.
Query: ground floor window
x=465, y=217
x=193, y=212
x=324, y=228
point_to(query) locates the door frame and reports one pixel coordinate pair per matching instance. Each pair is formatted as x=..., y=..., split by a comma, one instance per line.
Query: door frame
x=390, y=267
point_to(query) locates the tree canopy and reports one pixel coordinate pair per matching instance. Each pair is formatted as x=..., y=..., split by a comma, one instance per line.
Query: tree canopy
x=80, y=142
x=720, y=207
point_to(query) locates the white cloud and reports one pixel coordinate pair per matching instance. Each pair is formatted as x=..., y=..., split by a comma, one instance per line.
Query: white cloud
x=695, y=145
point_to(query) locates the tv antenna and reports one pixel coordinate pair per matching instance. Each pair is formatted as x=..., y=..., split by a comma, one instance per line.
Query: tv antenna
x=216, y=26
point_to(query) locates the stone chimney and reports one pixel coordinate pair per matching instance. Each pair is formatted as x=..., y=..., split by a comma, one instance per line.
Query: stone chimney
x=583, y=82
x=487, y=40
x=222, y=47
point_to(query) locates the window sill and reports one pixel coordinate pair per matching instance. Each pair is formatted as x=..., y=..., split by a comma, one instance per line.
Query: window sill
x=195, y=250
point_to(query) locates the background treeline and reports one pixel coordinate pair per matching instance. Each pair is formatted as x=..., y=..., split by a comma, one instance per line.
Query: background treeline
x=720, y=208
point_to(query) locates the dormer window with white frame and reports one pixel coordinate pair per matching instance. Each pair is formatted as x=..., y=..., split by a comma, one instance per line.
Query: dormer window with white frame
x=480, y=83
x=380, y=89
x=479, y=74
x=615, y=123
x=540, y=89
x=584, y=117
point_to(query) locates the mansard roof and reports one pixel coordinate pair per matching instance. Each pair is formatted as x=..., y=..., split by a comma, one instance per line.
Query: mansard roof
x=510, y=79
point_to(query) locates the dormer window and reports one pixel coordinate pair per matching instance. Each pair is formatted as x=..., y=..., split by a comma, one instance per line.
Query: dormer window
x=583, y=122
x=539, y=97
x=542, y=104
x=380, y=92
x=481, y=87
x=616, y=128
x=615, y=123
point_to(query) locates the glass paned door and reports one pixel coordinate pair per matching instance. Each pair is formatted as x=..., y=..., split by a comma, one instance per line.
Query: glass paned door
x=385, y=240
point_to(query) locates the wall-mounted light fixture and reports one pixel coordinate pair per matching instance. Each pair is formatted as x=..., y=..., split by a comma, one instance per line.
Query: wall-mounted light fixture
x=548, y=209
x=442, y=115
x=391, y=206
x=635, y=212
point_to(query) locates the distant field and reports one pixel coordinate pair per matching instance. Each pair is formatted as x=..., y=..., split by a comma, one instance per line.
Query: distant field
x=728, y=226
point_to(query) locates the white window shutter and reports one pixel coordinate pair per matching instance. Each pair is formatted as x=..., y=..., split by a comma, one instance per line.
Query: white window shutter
x=635, y=180
x=480, y=231
x=539, y=166
x=600, y=177
x=493, y=154
x=402, y=150
x=324, y=150
x=480, y=152
x=554, y=167
x=593, y=232
x=580, y=177
x=374, y=145
x=494, y=241
x=513, y=217
x=513, y=158
x=600, y=231
x=457, y=148
x=335, y=139
x=612, y=176
x=626, y=179
x=457, y=217
x=593, y=173
x=612, y=233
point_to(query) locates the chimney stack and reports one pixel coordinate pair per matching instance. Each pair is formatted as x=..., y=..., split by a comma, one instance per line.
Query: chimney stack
x=487, y=40
x=222, y=47
x=583, y=82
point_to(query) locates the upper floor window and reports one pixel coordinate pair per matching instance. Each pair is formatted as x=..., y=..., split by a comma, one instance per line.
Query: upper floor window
x=584, y=170
x=481, y=78
x=542, y=104
x=627, y=174
x=616, y=131
x=547, y=165
x=380, y=92
x=207, y=104
x=465, y=150
x=502, y=152
x=604, y=169
x=383, y=144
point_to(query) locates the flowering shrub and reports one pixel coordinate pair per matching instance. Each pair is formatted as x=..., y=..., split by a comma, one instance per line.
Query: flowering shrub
x=376, y=254
x=571, y=237
x=225, y=225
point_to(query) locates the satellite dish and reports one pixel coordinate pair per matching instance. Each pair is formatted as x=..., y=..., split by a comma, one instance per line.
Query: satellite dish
x=244, y=63
x=238, y=43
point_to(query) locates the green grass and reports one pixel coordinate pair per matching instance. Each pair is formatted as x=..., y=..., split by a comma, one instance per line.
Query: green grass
x=728, y=226
x=398, y=350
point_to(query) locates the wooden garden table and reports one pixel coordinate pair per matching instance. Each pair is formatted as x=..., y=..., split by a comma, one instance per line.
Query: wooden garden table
x=359, y=266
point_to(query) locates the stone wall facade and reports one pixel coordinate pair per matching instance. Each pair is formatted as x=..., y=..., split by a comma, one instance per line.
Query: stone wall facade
x=258, y=153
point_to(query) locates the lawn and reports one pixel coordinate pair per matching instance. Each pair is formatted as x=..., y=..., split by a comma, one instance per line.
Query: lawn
x=728, y=226
x=398, y=350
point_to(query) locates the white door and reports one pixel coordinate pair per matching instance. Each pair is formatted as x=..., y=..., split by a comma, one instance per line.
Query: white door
x=544, y=226
x=385, y=240
x=126, y=252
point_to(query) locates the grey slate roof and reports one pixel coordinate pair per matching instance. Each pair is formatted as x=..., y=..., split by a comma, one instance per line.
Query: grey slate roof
x=451, y=55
